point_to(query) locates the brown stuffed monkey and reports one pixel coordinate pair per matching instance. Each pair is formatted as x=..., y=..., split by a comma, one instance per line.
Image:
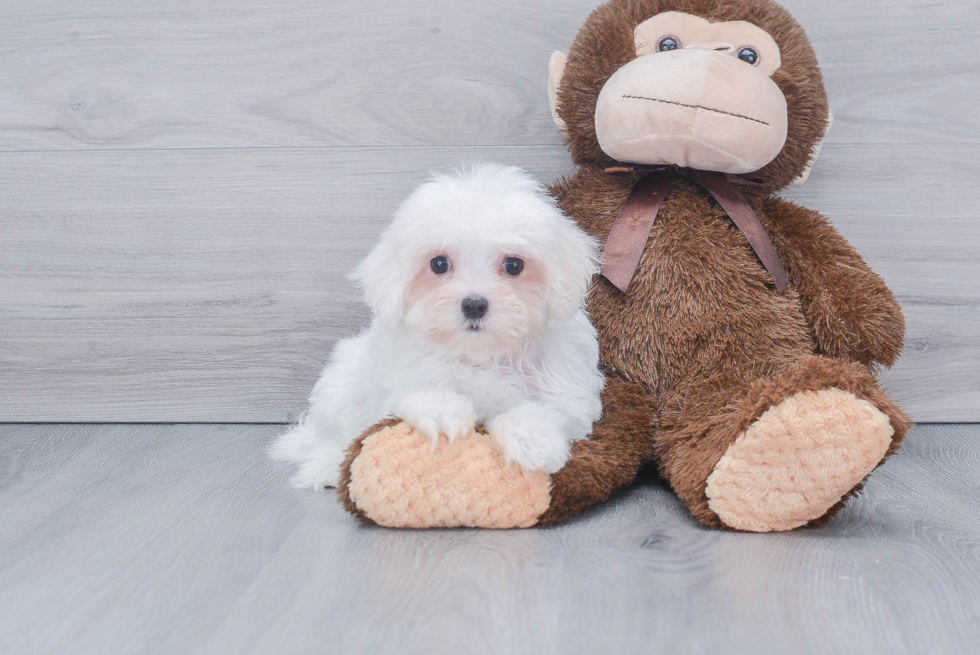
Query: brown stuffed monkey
x=740, y=333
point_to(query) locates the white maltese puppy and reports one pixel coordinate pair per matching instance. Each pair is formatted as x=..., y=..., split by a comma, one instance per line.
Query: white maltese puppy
x=477, y=290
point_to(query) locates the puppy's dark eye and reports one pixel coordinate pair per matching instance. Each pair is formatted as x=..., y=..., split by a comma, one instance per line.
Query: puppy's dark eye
x=668, y=43
x=748, y=55
x=440, y=264
x=513, y=266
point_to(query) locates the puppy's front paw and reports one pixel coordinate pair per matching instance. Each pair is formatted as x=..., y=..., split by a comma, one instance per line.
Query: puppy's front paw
x=531, y=437
x=438, y=412
x=320, y=469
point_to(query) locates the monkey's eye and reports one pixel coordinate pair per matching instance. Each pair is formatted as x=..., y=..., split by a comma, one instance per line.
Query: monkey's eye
x=440, y=264
x=668, y=43
x=748, y=55
x=513, y=266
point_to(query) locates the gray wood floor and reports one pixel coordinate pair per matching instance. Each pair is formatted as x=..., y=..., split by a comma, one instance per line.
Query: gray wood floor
x=185, y=539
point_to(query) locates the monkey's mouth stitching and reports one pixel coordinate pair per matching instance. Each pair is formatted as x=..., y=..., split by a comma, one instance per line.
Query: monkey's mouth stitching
x=681, y=104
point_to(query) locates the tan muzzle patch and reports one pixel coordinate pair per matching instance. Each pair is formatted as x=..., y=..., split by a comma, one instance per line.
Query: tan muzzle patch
x=692, y=108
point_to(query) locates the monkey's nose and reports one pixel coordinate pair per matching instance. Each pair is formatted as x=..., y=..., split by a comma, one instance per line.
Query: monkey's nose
x=475, y=308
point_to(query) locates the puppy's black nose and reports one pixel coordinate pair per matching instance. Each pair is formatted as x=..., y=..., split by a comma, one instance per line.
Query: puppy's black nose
x=475, y=308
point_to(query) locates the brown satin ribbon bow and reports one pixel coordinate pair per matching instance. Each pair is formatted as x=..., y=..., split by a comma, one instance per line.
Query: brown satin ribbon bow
x=624, y=245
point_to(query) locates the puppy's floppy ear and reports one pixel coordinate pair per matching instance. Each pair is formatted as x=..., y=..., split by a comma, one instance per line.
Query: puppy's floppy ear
x=382, y=278
x=571, y=267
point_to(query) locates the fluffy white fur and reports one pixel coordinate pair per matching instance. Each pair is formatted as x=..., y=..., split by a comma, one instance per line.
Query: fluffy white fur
x=527, y=370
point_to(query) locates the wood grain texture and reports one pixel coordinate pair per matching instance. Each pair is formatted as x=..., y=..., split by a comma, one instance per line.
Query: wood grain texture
x=148, y=309
x=209, y=288
x=183, y=186
x=118, y=74
x=179, y=539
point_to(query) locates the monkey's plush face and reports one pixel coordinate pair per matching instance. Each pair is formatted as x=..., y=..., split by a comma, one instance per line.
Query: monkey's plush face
x=698, y=94
x=721, y=85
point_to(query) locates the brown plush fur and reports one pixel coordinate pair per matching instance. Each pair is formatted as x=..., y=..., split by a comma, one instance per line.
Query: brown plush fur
x=702, y=327
x=612, y=456
x=702, y=344
x=605, y=43
x=608, y=461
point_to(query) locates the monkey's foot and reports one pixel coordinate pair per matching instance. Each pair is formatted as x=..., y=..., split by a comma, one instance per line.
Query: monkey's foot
x=798, y=460
x=394, y=478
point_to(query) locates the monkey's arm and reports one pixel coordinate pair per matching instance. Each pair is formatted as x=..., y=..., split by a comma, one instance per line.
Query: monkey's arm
x=851, y=311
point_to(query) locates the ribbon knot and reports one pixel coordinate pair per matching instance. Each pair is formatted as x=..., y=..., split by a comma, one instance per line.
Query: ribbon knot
x=624, y=245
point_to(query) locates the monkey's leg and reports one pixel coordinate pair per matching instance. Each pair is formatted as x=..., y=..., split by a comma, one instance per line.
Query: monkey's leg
x=778, y=451
x=393, y=477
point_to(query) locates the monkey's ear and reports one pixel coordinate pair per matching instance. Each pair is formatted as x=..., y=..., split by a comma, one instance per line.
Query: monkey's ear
x=816, y=151
x=556, y=67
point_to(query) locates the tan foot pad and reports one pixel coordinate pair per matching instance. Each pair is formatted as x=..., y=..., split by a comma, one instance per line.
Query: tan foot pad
x=398, y=481
x=797, y=461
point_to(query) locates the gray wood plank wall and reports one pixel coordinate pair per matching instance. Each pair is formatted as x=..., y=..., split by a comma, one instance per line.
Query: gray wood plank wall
x=184, y=185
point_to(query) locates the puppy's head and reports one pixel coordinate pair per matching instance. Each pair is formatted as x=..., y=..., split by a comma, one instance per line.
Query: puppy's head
x=478, y=262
